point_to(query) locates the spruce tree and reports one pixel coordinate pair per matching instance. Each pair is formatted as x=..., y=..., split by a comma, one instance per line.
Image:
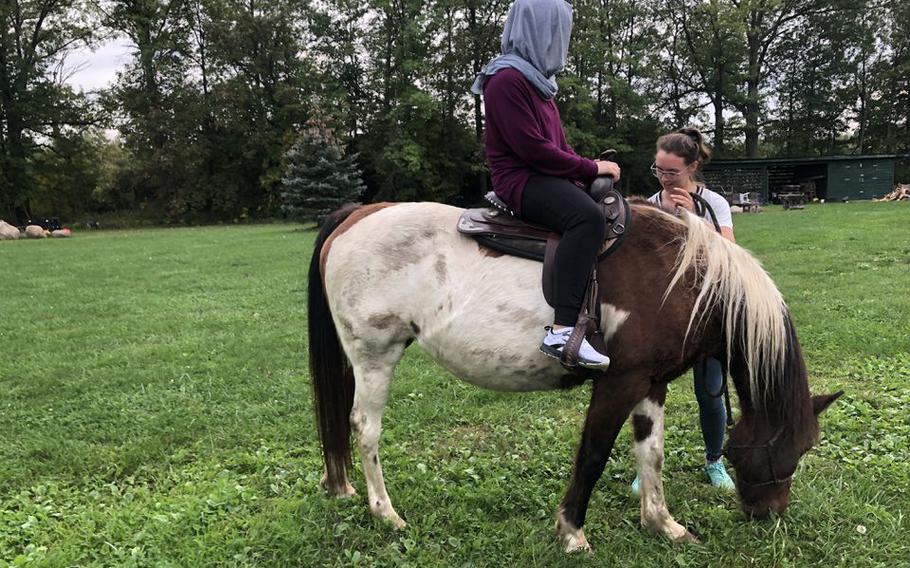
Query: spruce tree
x=318, y=177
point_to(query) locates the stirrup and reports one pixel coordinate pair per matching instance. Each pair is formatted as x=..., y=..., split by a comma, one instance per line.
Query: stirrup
x=559, y=353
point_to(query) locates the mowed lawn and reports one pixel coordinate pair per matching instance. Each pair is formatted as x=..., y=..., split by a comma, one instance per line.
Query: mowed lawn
x=155, y=411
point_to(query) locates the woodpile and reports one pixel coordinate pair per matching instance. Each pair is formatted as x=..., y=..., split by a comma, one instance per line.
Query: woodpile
x=901, y=192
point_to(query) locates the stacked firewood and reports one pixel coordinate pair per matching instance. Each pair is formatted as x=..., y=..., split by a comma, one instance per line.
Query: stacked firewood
x=902, y=191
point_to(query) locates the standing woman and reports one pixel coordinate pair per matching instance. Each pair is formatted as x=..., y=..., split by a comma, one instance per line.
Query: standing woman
x=533, y=169
x=679, y=156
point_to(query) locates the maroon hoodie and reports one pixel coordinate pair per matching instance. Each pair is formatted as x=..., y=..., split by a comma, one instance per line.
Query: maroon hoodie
x=524, y=136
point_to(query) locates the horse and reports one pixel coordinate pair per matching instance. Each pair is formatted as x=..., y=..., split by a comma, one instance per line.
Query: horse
x=385, y=275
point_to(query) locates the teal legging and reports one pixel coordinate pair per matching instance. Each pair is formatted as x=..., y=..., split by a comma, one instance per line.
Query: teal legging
x=709, y=379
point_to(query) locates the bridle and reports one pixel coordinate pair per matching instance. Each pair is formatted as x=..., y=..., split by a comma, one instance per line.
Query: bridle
x=767, y=447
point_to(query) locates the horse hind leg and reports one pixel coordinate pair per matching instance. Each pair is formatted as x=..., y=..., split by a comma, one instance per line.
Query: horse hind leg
x=648, y=446
x=372, y=378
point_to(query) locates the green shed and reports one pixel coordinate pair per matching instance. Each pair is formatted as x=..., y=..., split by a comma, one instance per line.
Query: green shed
x=835, y=178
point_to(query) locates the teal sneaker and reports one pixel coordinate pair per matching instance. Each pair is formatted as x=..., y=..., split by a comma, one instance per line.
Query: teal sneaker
x=636, y=487
x=717, y=475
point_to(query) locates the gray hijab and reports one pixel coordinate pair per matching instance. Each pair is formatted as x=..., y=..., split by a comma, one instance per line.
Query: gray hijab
x=535, y=41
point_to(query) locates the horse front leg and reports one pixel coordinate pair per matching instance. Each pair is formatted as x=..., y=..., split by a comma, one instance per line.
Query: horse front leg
x=611, y=401
x=648, y=433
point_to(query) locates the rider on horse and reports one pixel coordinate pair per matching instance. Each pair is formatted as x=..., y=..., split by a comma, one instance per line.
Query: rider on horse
x=533, y=169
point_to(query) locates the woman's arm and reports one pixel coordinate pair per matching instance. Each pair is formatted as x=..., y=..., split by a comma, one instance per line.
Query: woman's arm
x=724, y=216
x=679, y=197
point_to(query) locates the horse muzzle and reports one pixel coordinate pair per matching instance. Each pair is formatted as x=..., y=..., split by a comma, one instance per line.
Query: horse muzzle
x=761, y=509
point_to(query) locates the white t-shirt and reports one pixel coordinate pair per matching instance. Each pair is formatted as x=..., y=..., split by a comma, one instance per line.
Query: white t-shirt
x=715, y=200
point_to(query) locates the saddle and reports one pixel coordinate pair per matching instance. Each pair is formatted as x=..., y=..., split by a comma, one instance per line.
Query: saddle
x=500, y=229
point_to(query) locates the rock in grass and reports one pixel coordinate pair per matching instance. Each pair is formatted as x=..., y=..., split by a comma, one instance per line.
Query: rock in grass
x=35, y=232
x=8, y=232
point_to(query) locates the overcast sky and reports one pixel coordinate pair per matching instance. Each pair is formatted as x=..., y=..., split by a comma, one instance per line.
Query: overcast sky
x=98, y=69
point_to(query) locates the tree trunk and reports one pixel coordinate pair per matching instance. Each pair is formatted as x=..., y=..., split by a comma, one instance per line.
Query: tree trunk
x=862, y=106
x=752, y=106
x=719, y=122
x=13, y=173
x=477, y=64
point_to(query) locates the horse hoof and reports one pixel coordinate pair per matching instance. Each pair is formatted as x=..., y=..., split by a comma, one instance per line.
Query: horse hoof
x=345, y=492
x=687, y=538
x=573, y=545
x=573, y=539
x=396, y=522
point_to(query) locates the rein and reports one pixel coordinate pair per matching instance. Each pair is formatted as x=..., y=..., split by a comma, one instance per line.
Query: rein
x=767, y=447
x=701, y=206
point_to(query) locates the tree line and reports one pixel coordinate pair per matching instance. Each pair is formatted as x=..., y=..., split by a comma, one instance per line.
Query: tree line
x=217, y=93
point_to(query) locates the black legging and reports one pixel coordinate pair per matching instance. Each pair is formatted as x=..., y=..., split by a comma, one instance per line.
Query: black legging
x=563, y=207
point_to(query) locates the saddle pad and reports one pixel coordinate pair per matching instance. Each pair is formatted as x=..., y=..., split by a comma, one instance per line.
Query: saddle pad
x=504, y=233
x=530, y=249
x=485, y=221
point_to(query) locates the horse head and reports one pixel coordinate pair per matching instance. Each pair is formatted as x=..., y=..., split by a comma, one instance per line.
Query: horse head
x=765, y=455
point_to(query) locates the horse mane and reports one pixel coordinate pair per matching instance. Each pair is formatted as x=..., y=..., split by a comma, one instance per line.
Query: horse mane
x=758, y=331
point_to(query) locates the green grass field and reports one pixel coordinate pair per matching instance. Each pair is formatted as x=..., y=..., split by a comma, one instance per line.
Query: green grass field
x=155, y=411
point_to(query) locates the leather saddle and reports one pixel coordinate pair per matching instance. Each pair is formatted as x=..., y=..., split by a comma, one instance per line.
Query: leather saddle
x=500, y=229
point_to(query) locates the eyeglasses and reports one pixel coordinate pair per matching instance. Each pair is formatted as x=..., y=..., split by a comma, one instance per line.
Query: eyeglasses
x=662, y=173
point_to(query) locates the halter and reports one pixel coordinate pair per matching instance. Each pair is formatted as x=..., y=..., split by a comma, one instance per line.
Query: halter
x=767, y=447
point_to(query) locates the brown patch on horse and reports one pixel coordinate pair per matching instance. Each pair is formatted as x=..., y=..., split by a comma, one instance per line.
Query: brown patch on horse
x=441, y=271
x=403, y=253
x=383, y=321
x=489, y=252
x=518, y=314
x=358, y=214
x=641, y=426
x=653, y=213
x=658, y=394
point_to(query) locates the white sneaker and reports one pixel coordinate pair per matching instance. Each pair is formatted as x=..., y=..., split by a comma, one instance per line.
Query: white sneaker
x=555, y=341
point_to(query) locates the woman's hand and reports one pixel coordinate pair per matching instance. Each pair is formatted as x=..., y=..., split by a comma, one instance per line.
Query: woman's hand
x=605, y=168
x=681, y=198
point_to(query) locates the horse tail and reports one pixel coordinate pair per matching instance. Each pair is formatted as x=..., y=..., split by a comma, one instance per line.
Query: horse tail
x=333, y=378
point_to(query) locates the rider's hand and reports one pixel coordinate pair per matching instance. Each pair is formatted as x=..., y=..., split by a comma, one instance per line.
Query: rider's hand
x=605, y=168
x=681, y=198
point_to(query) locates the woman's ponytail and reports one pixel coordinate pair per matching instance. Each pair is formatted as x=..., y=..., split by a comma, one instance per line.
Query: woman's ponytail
x=687, y=143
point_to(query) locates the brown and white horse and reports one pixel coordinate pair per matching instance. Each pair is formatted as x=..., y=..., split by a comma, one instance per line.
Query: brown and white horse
x=385, y=275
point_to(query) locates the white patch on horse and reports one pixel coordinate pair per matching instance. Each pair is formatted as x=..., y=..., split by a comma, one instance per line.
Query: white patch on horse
x=649, y=453
x=482, y=317
x=611, y=318
x=572, y=538
x=489, y=330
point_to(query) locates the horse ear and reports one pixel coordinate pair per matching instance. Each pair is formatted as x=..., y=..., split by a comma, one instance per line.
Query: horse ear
x=822, y=401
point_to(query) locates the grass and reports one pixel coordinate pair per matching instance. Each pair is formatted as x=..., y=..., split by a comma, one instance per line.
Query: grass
x=155, y=411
